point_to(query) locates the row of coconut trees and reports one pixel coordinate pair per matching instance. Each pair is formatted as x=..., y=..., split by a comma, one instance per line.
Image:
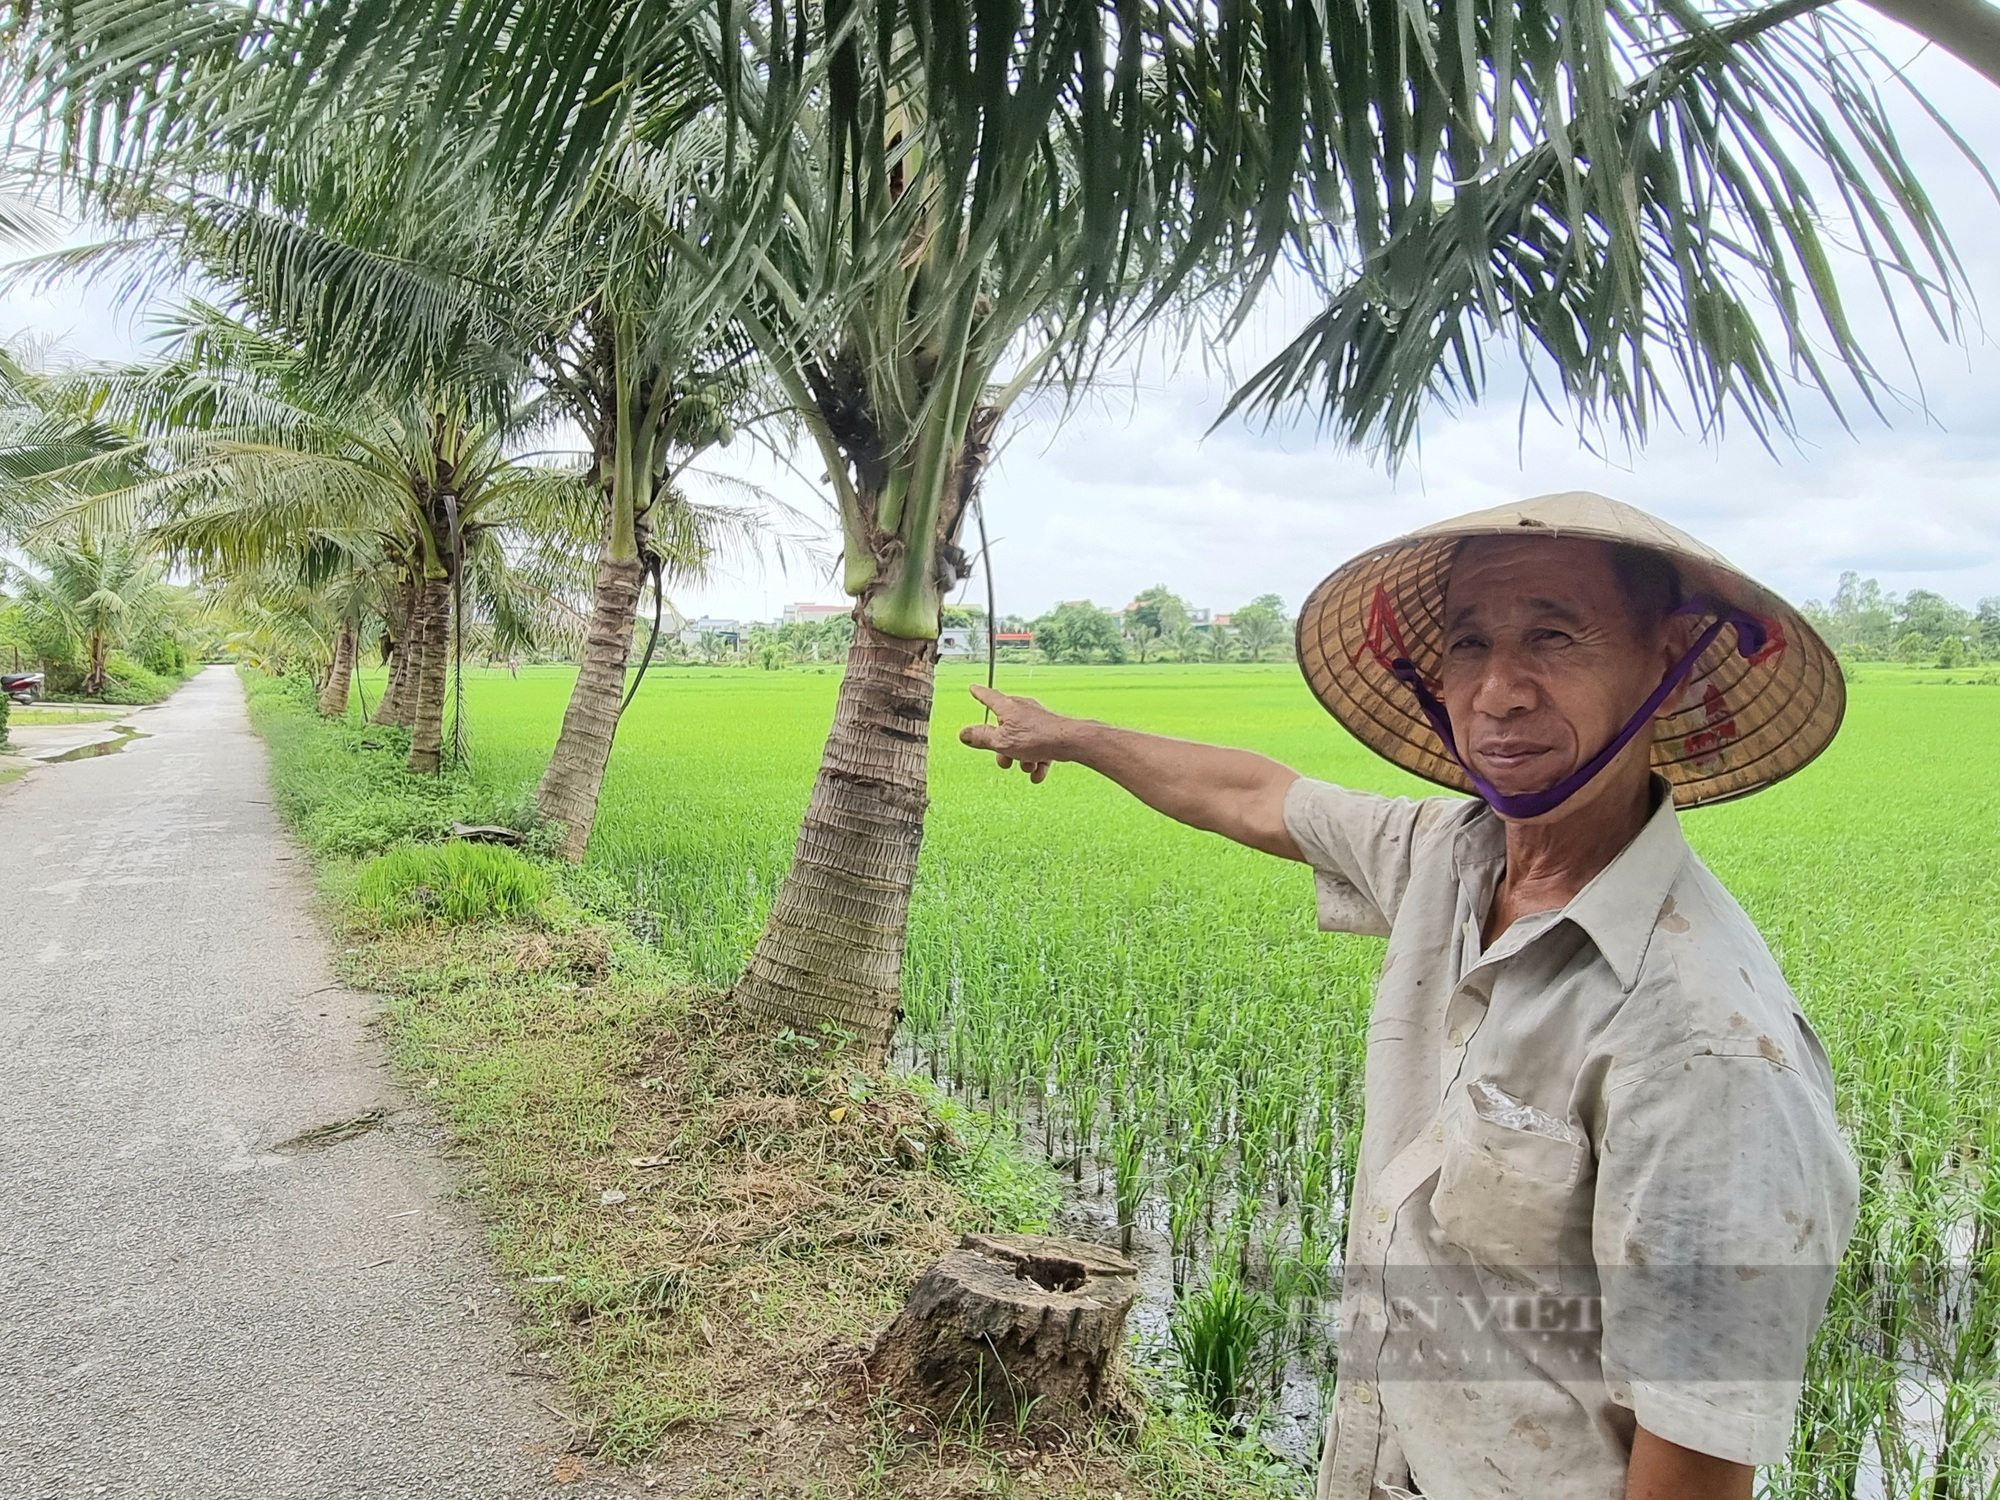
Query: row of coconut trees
x=880, y=226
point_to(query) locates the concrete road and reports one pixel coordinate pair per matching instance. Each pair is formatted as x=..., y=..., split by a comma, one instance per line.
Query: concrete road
x=186, y=1311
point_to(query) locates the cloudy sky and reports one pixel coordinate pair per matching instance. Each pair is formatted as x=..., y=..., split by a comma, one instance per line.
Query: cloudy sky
x=1132, y=489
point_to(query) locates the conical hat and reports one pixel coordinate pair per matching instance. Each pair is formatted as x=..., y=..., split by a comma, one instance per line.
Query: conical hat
x=1736, y=726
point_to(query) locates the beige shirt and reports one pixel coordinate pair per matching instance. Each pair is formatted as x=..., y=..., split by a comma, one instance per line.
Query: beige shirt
x=1600, y=1179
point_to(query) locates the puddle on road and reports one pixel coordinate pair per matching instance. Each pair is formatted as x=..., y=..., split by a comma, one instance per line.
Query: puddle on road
x=126, y=734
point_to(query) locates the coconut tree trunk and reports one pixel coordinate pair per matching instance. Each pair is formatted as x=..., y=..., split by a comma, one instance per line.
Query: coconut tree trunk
x=832, y=950
x=569, y=789
x=427, y=672
x=333, y=698
x=392, y=708
x=100, y=652
x=395, y=705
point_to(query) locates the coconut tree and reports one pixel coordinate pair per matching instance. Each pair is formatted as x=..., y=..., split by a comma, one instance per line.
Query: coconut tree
x=443, y=284
x=89, y=593
x=250, y=456
x=953, y=214
x=929, y=209
x=1711, y=293
x=627, y=336
x=1258, y=628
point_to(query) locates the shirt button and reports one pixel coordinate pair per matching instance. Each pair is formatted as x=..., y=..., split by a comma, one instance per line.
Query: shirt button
x=1365, y=1395
x=1457, y=1037
x=1437, y=1131
x=1381, y=1214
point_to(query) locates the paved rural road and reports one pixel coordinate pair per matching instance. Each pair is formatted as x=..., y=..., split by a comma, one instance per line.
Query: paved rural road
x=186, y=1311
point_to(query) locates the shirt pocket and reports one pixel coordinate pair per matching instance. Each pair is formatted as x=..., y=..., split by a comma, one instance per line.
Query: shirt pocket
x=1507, y=1187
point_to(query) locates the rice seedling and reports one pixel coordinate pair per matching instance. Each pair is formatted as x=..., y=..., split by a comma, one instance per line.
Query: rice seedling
x=1140, y=998
x=449, y=884
x=1219, y=1333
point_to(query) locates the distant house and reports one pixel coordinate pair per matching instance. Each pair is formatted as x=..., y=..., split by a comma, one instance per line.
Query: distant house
x=729, y=632
x=959, y=641
x=812, y=614
x=1004, y=638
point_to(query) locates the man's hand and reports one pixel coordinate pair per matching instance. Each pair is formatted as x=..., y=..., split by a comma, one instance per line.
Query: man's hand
x=1022, y=733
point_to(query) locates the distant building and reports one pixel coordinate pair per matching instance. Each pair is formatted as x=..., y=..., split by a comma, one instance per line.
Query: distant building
x=1199, y=618
x=1013, y=638
x=729, y=632
x=962, y=641
x=812, y=614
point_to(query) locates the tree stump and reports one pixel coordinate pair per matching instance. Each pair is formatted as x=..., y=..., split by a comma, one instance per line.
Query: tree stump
x=1021, y=1326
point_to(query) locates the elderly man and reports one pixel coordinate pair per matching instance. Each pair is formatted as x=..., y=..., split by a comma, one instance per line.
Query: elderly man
x=1601, y=1190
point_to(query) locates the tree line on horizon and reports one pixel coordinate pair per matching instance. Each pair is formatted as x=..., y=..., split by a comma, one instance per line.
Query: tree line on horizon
x=1862, y=622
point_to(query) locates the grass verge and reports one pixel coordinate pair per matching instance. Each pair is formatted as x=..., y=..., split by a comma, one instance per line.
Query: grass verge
x=25, y=718
x=703, y=1221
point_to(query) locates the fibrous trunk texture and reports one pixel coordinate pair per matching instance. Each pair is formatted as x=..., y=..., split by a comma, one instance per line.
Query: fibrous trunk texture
x=1013, y=1325
x=395, y=705
x=569, y=789
x=432, y=657
x=832, y=950
x=94, y=677
x=333, y=697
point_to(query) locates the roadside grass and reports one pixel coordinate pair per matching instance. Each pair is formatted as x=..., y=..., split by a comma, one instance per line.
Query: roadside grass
x=703, y=1222
x=449, y=884
x=25, y=718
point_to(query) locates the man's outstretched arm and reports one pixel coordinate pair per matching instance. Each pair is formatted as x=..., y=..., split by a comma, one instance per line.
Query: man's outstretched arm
x=1236, y=793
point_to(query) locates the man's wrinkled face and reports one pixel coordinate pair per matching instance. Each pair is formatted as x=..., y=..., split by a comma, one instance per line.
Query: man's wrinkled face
x=1544, y=659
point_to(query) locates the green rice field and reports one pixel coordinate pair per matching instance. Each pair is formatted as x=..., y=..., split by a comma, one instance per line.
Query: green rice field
x=1156, y=1005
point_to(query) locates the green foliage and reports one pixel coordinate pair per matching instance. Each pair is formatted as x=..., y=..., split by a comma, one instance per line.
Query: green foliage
x=450, y=884
x=6, y=705
x=1259, y=627
x=1219, y=1332
x=1863, y=623
x=1015, y=1192
x=1159, y=609
x=1079, y=631
x=88, y=603
x=126, y=681
x=343, y=786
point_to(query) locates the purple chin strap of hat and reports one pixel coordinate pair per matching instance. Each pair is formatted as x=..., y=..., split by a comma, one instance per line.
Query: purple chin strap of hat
x=1750, y=637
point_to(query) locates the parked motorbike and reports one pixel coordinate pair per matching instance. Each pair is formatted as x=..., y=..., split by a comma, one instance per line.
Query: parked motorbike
x=22, y=687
